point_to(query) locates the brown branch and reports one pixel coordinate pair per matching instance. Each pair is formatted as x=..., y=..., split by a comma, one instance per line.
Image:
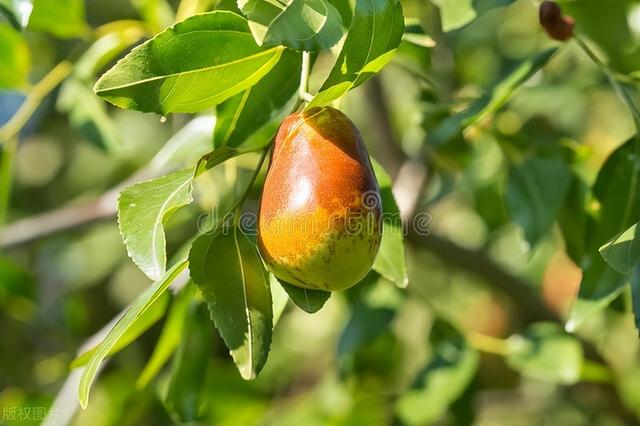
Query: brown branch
x=477, y=262
x=42, y=225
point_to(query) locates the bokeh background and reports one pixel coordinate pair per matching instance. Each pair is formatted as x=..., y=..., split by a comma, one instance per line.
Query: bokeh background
x=355, y=361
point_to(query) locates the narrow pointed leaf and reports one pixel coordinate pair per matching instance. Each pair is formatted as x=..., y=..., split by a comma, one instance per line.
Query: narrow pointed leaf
x=130, y=317
x=235, y=285
x=142, y=210
x=374, y=35
x=390, y=262
x=146, y=320
x=194, y=65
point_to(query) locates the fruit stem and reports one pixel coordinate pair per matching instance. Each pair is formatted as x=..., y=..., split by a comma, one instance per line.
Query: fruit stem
x=303, y=92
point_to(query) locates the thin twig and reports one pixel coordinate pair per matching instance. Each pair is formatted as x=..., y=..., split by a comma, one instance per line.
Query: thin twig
x=35, y=97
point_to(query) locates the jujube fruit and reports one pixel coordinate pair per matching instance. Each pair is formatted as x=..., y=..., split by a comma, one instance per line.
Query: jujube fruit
x=319, y=225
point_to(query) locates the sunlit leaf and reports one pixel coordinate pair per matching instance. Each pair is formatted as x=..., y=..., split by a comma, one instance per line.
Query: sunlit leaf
x=250, y=119
x=455, y=14
x=390, y=262
x=536, y=190
x=623, y=252
x=309, y=25
x=375, y=33
x=280, y=298
x=191, y=66
x=17, y=12
x=130, y=317
x=120, y=36
x=157, y=14
x=187, y=145
x=142, y=210
x=545, y=352
x=15, y=58
x=230, y=274
x=62, y=18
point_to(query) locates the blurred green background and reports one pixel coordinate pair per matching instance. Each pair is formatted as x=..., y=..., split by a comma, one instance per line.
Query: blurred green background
x=455, y=348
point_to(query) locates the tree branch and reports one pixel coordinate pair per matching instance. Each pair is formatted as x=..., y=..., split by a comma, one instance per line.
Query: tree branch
x=477, y=262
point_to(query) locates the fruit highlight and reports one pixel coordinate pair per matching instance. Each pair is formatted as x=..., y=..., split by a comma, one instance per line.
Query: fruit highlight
x=320, y=212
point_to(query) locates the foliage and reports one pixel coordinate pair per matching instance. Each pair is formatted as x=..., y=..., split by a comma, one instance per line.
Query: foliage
x=509, y=175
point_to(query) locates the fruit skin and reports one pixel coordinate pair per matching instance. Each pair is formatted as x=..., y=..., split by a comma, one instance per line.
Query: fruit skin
x=320, y=214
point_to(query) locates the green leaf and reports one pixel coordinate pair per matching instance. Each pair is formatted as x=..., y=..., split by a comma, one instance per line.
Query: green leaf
x=187, y=146
x=193, y=65
x=374, y=35
x=617, y=192
x=228, y=270
x=373, y=310
x=547, y=353
x=142, y=210
x=250, y=119
x=623, y=251
x=15, y=58
x=442, y=380
x=157, y=14
x=455, y=14
x=635, y=295
x=62, y=18
x=390, y=262
x=309, y=25
x=451, y=128
x=536, y=190
x=124, y=324
x=170, y=336
x=573, y=219
x=147, y=319
x=88, y=115
x=310, y=301
x=17, y=12
x=280, y=298
x=121, y=35
x=190, y=365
